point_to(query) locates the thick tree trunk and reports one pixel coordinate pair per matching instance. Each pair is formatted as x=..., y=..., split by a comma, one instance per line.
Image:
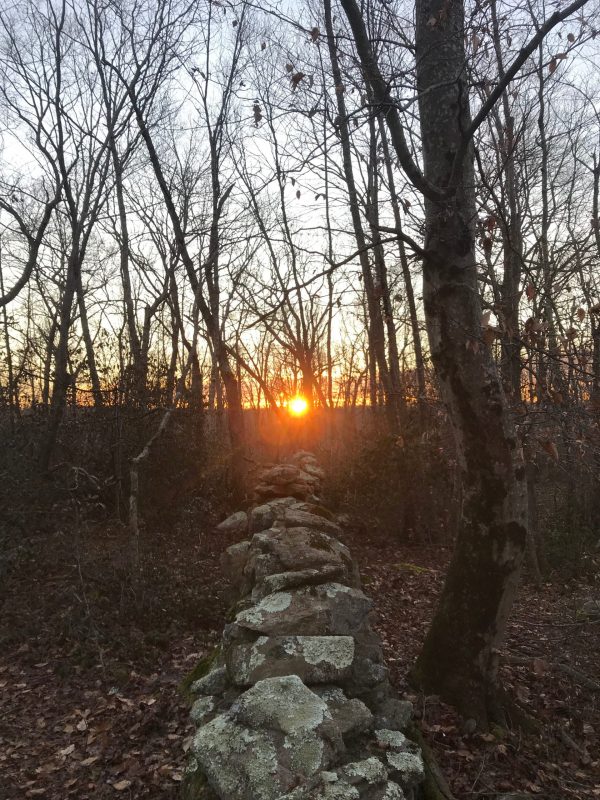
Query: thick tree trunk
x=459, y=657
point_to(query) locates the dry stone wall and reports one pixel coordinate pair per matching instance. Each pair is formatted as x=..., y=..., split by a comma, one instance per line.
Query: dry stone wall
x=297, y=704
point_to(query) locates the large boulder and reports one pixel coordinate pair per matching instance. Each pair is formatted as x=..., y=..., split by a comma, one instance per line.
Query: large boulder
x=276, y=734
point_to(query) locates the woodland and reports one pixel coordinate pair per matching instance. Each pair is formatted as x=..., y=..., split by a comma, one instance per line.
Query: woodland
x=232, y=230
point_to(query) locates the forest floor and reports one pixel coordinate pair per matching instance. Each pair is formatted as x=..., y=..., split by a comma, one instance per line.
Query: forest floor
x=90, y=667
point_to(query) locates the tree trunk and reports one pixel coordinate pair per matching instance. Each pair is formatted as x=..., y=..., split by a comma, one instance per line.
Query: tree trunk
x=459, y=658
x=512, y=235
x=89, y=344
x=62, y=379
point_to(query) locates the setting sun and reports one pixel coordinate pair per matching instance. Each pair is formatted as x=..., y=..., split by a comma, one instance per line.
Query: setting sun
x=298, y=406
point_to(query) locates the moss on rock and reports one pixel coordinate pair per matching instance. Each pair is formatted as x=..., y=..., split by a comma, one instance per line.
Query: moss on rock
x=202, y=668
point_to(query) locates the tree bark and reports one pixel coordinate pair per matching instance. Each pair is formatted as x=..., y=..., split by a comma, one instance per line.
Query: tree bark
x=459, y=656
x=458, y=660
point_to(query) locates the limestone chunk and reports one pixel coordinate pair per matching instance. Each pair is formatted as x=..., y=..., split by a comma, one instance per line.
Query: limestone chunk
x=369, y=771
x=391, y=740
x=406, y=767
x=395, y=715
x=324, y=610
x=236, y=524
x=202, y=709
x=214, y=682
x=293, y=579
x=315, y=659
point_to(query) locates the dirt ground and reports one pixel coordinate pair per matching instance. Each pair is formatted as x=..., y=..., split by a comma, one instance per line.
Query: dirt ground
x=90, y=667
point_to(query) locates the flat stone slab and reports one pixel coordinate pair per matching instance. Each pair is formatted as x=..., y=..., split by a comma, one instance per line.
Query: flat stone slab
x=236, y=524
x=305, y=577
x=314, y=659
x=330, y=609
x=297, y=518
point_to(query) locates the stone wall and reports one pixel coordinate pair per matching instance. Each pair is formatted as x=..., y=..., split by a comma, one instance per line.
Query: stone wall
x=297, y=704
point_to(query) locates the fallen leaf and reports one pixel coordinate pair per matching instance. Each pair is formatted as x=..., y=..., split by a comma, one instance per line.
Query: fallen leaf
x=551, y=449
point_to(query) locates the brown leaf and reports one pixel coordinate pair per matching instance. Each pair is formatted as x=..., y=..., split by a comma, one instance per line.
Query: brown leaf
x=298, y=194
x=289, y=67
x=571, y=37
x=552, y=66
x=551, y=449
x=475, y=42
x=314, y=34
x=530, y=292
x=581, y=314
x=296, y=78
x=263, y=45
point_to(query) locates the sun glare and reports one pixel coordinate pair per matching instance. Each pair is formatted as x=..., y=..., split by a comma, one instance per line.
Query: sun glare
x=297, y=406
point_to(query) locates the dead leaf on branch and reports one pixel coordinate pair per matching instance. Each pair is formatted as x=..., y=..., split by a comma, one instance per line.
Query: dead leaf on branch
x=530, y=292
x=296, y=78
x=550, y=448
